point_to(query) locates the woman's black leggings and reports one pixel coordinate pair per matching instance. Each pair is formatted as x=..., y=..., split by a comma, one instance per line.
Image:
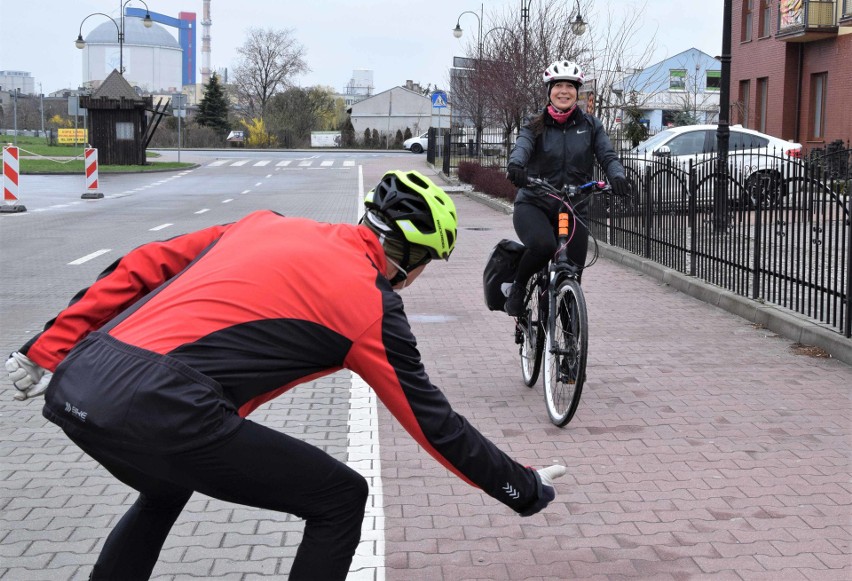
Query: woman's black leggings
x=256, y=466
x=536, y=228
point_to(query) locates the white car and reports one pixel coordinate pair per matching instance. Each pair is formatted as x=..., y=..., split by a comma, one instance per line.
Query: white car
x=417, y=144
x=760, y=161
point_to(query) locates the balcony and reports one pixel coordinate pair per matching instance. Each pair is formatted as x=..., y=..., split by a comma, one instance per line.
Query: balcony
x=808, y=20
x=846, y=13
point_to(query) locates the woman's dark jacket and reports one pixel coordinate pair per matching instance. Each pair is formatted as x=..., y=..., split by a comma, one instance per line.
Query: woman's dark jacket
x=564, y=153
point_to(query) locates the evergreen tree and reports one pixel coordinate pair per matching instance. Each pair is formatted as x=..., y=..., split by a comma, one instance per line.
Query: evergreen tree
x=213, y=109
x=347, y=133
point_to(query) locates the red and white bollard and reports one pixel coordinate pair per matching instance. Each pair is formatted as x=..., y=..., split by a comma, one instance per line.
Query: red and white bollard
x=91, y=167
x=11, y=175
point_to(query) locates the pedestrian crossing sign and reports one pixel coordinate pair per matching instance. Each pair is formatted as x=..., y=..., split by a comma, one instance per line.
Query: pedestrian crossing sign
x=439, y=99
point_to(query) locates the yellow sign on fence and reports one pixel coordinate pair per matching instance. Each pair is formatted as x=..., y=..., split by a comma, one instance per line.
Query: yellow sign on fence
x=73, y=135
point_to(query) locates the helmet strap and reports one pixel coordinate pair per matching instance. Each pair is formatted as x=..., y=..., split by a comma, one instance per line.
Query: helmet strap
x=401, y=273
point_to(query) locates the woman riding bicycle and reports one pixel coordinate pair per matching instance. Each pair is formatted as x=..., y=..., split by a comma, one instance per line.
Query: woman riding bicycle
x=559, y=145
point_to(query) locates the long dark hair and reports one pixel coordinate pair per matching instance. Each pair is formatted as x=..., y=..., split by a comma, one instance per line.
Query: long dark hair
x=536, y=124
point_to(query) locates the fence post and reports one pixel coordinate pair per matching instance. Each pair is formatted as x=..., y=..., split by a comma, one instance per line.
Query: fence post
x=649, y=211
x=692, y=216
x=11, y=176
x=447, y=153
x=847, y=325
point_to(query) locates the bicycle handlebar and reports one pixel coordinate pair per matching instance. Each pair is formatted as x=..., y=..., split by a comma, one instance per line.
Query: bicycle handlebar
x=592, y=187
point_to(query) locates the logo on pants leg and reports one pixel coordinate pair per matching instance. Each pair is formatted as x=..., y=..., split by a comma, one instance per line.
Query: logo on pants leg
x=74, y=411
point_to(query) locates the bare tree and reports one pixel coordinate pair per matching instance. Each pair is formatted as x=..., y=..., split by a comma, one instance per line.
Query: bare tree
x=269, y=61
x=503, y=84
x=696, y=104
x=617, y=52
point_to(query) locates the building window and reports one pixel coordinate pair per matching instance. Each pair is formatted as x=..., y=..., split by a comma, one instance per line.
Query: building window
x=124, y=131
x=762, y=103
x=818, y=91
x=714, y=80
x=745, y=34
x=677, y=79
x=765, y=20
x=744, y=102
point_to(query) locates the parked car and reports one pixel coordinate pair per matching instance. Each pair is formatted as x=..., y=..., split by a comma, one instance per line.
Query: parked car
x=417, y=144
x=758, y=161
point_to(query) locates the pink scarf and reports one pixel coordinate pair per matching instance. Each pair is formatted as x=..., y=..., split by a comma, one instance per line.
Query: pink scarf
x=558, y=115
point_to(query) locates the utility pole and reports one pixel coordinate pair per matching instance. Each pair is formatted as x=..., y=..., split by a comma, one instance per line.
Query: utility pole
x=41, y=95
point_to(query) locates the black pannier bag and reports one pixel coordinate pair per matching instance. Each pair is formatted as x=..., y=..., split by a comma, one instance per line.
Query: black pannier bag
x=500, y=269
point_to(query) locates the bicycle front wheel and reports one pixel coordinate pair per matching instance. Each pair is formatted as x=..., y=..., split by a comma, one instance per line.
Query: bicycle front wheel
x=531, y=330
x=565, y=353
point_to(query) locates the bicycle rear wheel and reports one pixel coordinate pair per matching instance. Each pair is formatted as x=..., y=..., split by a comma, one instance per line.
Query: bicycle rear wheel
x=531, y=332
x=565, y=353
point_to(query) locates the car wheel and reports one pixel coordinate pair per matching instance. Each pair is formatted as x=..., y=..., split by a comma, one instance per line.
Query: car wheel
x=763, y=189
x=416, y=148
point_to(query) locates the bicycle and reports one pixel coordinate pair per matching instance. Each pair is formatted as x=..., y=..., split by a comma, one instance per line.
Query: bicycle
x=561, y=340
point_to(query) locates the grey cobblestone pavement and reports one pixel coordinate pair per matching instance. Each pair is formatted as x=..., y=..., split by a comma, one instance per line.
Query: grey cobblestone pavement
x=705, y=447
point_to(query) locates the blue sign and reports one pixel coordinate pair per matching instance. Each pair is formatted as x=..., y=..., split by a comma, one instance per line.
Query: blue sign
x=439, y=99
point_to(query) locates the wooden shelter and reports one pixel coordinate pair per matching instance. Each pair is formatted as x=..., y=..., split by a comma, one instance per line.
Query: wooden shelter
x=118, y=123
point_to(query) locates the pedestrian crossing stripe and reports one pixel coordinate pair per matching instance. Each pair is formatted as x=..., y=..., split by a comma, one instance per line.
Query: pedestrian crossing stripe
x=328, y=163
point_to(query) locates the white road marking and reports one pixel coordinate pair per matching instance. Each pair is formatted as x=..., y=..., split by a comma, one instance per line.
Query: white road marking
x=363, y=454
x=205, y=210
x=160, y=227
x=89, y=257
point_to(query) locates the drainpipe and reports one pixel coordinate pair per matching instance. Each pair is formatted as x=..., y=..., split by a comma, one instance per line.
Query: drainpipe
x=799, y=93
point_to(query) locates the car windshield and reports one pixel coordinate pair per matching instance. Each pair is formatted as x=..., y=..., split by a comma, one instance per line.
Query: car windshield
x=653, y=142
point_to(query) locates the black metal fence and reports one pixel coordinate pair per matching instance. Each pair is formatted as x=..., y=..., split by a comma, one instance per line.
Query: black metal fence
x=768, y=227
x=488, y=147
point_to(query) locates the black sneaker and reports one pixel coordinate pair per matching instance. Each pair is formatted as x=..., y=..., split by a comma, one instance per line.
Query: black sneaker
x=515, y=301
x=567, y=373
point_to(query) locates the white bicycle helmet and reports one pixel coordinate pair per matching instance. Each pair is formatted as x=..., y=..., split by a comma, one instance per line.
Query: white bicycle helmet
x=564, y=71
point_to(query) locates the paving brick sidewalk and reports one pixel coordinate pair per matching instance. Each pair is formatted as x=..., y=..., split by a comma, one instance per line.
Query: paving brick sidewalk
x=704, y=447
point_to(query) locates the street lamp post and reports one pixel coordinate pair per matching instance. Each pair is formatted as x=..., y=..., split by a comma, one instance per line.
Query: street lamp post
x=578, y=26
x=119, y=27
x=723, y=131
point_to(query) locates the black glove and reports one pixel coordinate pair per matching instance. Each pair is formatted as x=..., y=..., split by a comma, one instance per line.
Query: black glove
x=517, y=175
x=620, y=186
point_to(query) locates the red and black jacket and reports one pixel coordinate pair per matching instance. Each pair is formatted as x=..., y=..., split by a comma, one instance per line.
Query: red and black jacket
x=259, y=306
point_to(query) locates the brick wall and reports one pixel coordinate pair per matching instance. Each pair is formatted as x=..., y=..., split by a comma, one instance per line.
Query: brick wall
x=788, y=114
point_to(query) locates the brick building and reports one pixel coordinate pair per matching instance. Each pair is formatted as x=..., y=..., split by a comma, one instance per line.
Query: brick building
x=791, y=68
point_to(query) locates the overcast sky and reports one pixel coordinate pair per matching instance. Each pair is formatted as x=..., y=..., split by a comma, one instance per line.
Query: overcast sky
x=397, y=39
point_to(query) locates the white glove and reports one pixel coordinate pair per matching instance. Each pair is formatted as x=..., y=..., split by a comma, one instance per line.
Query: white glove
x=548, y=491
x=28, y=377
x=551, y=473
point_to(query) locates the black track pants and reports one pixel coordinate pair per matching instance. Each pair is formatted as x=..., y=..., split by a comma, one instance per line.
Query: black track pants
x=256, y=466
x=536, y=229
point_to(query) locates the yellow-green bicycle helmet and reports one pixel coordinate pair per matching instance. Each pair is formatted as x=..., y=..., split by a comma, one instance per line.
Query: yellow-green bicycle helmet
x=417, y=209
